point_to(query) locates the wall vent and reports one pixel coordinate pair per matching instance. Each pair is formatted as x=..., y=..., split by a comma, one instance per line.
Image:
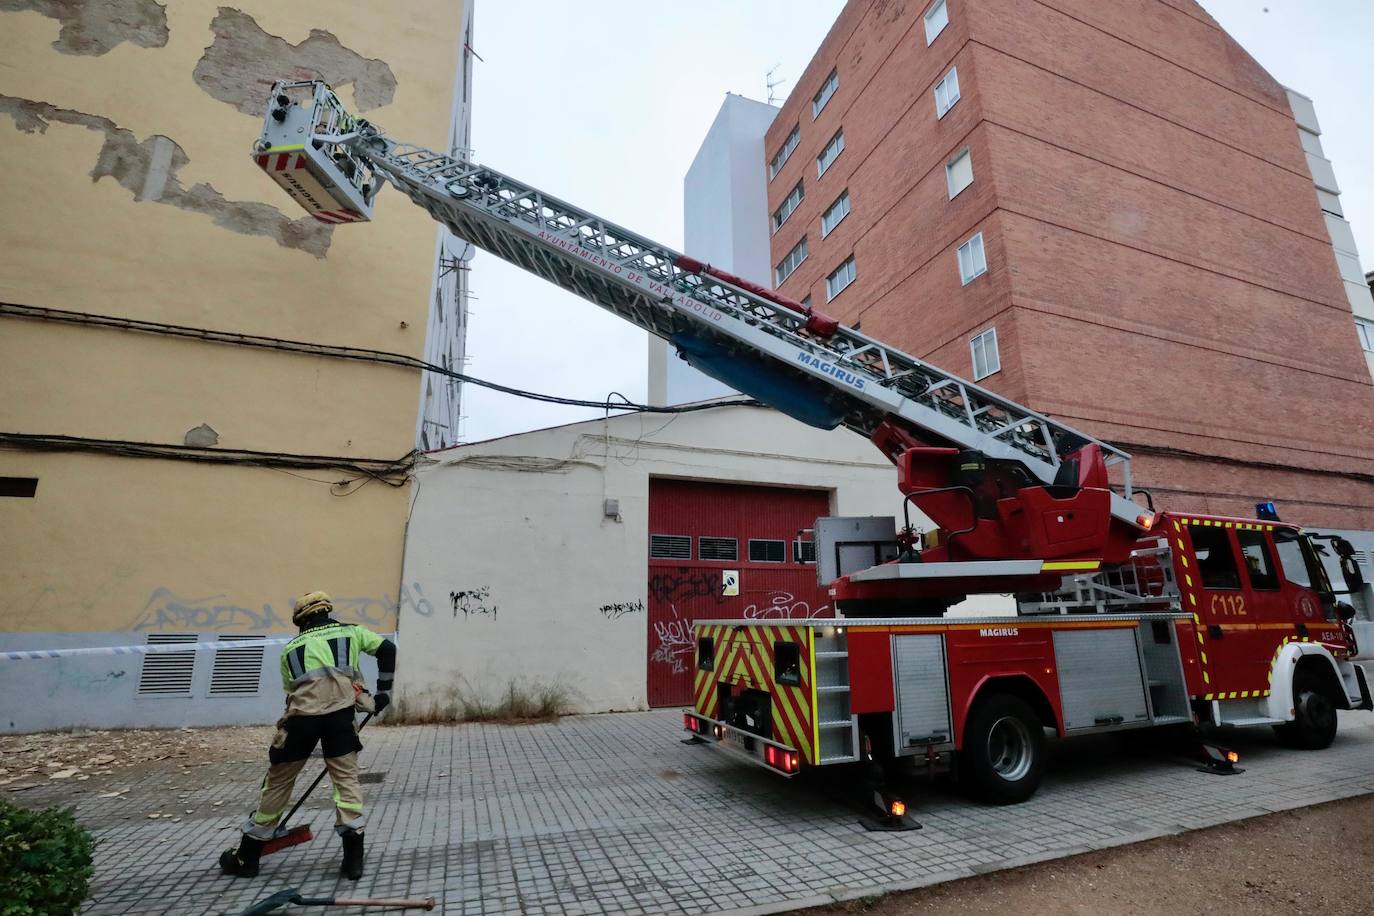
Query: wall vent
x=670, y=547
x=237, y=672
x=168, y=674
x=717, y=548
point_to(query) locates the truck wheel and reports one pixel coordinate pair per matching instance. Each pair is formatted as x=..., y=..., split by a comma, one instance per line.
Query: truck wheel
x=1314, y=724
x=1004, y=750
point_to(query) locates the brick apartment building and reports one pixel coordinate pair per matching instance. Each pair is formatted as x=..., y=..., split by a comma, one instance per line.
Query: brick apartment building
x=1103, y=210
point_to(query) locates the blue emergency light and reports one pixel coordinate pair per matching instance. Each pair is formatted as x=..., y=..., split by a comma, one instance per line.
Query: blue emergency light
x=1267, y=511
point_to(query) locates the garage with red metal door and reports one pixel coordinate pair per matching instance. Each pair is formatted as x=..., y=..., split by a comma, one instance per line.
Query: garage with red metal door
x=724, y=551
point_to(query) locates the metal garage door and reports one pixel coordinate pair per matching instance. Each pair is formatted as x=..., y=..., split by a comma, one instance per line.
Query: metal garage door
x=724, y=551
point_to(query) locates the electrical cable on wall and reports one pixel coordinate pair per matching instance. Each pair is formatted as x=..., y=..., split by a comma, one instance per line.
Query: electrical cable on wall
x=341, y=352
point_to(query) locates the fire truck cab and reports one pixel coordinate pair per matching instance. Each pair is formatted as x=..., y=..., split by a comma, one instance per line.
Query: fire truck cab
x=1214, y=620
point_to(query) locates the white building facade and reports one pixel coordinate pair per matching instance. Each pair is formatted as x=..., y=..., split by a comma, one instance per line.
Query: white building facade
x=537, y=551
x=725, y=197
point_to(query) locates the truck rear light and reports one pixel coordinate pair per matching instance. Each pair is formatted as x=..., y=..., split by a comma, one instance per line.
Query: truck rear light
x=718, y=731
x=779, y=759
x=689, y=722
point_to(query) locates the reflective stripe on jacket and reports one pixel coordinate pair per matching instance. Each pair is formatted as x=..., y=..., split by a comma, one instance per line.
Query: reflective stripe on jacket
x=319, y=668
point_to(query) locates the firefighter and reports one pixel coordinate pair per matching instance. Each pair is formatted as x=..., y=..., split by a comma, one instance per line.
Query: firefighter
x=324, y=687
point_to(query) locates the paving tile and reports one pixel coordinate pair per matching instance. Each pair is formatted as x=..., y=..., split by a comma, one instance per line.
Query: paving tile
x=609, y=814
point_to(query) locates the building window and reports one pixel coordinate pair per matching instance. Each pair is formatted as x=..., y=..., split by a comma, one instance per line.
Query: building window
x=803, y=551
x=959, y=172
x=818, y=103
x=830, y=153
x=670, y=547
x=790, y=263
x=781, y=156
x=972, y=262
x=1365, y=328
x=947, y=92
x=837, y=212
x=937, y=17
x=789, y=204
x=986, y=358
x=761, y=551
x=20, y=487
x=841, y=278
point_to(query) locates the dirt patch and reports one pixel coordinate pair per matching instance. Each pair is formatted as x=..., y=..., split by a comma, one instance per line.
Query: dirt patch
x=50, y=758
x=1312, y=860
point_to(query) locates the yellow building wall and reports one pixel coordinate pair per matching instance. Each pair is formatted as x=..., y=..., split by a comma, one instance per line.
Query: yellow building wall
x=110, y=544
x=125, y=139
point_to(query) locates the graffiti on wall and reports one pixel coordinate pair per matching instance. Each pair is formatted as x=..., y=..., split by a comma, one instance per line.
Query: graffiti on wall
x=783, y=606
x=474, y=602
x=675, y=645
x=166, y=610
x=621, y=609
x=684, y=583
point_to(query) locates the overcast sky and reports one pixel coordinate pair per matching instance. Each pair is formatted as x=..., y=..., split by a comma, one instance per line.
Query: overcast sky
x=604, y=103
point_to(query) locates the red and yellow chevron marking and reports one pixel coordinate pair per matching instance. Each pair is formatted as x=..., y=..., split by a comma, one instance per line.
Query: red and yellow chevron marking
x=744, y=657
x=1189, y=590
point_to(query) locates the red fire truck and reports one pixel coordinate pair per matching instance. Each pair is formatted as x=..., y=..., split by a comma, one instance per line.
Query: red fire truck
x=1212, y=620
x=1125, y=618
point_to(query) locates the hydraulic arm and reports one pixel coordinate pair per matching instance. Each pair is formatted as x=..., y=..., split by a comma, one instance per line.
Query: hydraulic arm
x=1009, y=482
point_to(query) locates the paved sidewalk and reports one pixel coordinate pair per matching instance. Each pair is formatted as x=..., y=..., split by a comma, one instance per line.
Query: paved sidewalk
x=611, y=813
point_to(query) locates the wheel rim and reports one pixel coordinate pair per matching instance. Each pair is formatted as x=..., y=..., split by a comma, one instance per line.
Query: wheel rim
x=1009, y=748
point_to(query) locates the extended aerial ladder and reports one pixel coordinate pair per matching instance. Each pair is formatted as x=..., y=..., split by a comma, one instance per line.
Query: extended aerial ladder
x=1003, y=482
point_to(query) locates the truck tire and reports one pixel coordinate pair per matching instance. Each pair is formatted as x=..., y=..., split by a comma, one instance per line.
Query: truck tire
x=1004, y=750
x=1314, y=724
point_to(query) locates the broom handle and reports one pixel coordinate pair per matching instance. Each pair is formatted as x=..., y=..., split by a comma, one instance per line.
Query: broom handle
x=424, y=903
x=281, y=825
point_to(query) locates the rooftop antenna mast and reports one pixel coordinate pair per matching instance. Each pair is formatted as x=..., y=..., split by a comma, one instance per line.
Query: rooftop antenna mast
x=773, y=84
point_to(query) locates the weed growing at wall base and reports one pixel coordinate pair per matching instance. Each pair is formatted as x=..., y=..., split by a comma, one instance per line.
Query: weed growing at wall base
x=45, y=862
x=520, y=700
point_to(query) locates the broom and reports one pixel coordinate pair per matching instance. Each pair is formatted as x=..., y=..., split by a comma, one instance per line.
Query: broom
x=285, y=837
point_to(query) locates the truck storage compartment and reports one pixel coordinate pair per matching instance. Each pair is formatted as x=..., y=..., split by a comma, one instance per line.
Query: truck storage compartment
x=1100, y=683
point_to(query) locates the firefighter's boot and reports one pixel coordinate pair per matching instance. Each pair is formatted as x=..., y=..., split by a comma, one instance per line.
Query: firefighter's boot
x=242, y=862
x=352, y=867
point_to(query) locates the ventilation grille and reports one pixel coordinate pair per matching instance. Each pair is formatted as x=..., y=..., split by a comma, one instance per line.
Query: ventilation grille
x=237, y=671
x=168, y=673
x=718, y=548
x=1365, y=558
x=670, y=547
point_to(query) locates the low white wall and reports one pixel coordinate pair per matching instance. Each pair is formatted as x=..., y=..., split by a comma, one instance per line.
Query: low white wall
x=530, y=581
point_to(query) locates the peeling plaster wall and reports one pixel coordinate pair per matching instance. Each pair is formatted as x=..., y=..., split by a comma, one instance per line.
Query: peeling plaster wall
x=231, y=67
x=125, y=136
x=93, y=27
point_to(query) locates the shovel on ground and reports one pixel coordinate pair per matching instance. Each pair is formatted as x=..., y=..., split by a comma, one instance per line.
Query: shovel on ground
x=294, y=896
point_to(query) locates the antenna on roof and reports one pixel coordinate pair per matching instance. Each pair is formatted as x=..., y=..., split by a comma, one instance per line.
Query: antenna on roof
x=773, y=84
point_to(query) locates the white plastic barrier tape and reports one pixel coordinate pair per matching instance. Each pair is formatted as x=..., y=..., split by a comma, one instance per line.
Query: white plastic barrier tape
x=143, y=650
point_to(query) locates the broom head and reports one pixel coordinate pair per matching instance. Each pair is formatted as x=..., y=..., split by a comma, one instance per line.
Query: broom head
x=293, y=837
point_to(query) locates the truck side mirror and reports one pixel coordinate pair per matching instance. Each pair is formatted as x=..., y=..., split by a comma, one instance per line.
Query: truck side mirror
x=1350, y=568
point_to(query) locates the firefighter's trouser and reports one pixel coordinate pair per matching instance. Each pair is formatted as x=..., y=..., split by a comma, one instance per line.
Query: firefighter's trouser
x=294, y=743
